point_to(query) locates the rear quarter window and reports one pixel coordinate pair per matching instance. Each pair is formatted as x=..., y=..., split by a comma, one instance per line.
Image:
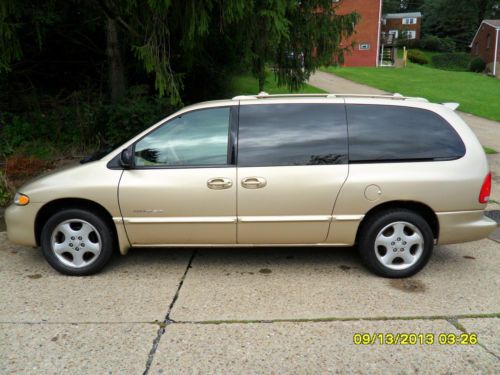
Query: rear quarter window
x=398, y=133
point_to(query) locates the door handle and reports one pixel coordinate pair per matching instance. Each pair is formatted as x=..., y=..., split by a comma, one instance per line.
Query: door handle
x=219, y=183
x=253, y=182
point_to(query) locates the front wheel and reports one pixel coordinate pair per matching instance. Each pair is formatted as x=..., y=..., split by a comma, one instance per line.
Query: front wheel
x=396, y=243
x=77, y=242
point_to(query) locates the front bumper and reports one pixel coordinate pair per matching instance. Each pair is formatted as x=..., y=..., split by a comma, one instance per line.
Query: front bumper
x=464, y=226
x=20, y=222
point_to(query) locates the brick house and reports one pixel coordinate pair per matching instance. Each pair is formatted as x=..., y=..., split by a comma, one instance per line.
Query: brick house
x=366, y=38
x=402, y=25
x=486, y=45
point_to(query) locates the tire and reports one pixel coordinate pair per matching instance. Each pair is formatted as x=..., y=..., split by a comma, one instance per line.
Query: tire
x=396, y=243
x=77, y=242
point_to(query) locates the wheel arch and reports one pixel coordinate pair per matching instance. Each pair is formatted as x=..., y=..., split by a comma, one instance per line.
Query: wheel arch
x=57, y=205
x=418, y=207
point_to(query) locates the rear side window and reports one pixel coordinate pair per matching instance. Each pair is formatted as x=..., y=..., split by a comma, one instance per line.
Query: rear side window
x=394, y=133
x=292, y=134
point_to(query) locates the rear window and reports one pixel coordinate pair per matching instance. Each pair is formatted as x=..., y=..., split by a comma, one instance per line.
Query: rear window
x=292, y=134
x=394, y=133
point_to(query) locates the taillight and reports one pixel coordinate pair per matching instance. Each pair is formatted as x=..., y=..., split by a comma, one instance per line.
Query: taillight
x=484, y=195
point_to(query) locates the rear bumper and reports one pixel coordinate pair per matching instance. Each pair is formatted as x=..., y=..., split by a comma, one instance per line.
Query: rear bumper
x=464, y=226
x=20, y=222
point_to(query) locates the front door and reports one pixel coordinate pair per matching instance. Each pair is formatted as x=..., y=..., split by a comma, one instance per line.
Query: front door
x=292, y=162
x=181, y=189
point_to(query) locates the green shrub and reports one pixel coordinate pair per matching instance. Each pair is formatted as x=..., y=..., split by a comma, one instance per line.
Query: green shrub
x=133, y=114
x=437, y=44
x=408, y=43
x=83, y=123
x=477, y=65
x=5, y=195
x=418, y=57
x=456, y=61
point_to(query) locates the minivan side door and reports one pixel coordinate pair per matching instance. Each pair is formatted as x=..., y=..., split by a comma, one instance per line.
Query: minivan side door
x=292, y=163
x=181, y=189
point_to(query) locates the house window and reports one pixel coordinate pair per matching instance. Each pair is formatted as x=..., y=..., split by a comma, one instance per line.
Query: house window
x=409, y=21
x=364, y=46
x=410, y=34
x=394, y=33
x=488, y=41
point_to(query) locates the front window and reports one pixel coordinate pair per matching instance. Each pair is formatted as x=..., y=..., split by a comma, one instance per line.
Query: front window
x=410, y=34
x=197, y=138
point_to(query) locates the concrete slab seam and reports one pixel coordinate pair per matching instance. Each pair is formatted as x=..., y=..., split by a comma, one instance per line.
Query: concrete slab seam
x=163, y=325
x=455, y=323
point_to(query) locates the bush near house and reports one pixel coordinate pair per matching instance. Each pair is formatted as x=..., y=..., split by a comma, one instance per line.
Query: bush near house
x=437, y=44
x=418, y=57
x=477, y=65
x=456, y=61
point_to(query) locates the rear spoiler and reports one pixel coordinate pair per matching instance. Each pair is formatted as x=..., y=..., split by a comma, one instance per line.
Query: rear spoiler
x=452, y=106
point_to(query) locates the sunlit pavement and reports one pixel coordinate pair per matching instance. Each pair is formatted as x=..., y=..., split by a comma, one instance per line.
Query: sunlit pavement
x=286, y=310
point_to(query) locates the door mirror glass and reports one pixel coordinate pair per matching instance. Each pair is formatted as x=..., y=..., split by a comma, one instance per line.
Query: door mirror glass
x=126, y=159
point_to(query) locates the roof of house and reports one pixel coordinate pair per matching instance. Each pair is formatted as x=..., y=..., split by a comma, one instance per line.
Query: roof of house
x=493, y=23
x=402, y=15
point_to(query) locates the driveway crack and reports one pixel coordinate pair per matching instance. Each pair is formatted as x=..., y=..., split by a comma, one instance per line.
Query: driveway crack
x=167, y=321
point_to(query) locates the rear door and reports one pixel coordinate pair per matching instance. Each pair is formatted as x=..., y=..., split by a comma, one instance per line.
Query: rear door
x=292, y=162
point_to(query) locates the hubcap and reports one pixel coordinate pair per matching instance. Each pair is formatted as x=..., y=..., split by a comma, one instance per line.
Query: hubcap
x=399, y=245
x=76, y=243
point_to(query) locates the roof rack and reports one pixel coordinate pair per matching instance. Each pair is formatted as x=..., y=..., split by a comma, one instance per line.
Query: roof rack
x=265, y=95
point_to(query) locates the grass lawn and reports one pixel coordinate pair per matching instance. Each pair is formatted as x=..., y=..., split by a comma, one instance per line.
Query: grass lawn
x=476, y=93
x=248, y=85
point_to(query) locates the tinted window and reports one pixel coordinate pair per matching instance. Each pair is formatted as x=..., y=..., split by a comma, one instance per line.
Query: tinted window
x=195, y=138
x=292, y=134
x=395, y=133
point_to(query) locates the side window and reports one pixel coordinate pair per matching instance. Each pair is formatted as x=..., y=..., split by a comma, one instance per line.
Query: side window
x=292, y=134
x=193, y=139
x=396, y=133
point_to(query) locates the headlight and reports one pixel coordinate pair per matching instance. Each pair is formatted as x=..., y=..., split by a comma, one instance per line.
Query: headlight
x=21, y=199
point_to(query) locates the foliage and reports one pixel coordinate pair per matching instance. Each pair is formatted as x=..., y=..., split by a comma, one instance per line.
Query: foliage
x=489, y=150
x=5, y=194
x=440, y=86
x=418, y=57
x=80, y=124
x=457, y=61
x=457, y=19
x=246, y=84
x=137, y=111
x=477, y=65
x=170, y=42
x=437, y=44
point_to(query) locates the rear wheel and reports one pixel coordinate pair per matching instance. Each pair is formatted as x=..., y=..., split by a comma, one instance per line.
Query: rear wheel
x=77, y=242
x=396, y=243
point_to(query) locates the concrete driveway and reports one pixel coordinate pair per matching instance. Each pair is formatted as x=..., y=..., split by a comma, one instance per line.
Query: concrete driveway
x=249, y=311
x=288, y=310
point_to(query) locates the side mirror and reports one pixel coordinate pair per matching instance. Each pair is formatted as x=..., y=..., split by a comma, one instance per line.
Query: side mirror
x=126, y=159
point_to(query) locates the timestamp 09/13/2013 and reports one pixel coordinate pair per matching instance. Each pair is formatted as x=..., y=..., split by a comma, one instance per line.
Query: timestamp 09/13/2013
x=415, y=338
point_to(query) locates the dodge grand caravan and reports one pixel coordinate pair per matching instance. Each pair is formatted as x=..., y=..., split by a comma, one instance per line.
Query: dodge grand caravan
x=390, y=174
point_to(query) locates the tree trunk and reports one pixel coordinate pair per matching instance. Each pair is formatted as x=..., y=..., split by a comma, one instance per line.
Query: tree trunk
x=116, y=70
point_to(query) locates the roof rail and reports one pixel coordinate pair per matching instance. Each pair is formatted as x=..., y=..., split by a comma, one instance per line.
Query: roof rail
x=265, y=95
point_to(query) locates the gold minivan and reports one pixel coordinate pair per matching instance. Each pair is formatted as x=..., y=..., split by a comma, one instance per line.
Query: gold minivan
x=390, y=174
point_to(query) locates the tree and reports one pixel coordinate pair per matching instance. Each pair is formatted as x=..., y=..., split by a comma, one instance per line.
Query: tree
x=458, y=19
x=174, y=40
